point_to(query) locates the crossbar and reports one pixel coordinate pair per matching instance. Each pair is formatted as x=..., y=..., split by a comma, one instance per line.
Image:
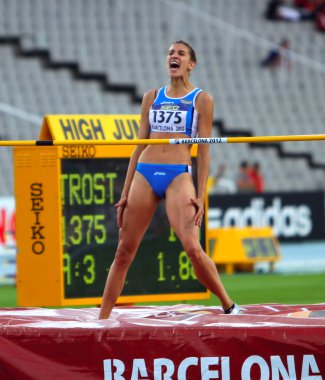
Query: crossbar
x=189, y=141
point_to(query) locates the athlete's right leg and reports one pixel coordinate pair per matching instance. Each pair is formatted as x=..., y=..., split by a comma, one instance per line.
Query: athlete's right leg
x=140, y=207
x=181, y=211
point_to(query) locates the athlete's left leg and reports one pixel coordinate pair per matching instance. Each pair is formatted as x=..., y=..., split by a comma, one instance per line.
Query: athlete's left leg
x=181, y=211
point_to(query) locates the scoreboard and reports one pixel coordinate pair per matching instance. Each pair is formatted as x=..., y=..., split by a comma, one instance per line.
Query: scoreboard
x=89, y=189
x=66, y=222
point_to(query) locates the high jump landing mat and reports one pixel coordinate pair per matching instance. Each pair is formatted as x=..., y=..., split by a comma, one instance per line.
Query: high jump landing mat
x=183, y=342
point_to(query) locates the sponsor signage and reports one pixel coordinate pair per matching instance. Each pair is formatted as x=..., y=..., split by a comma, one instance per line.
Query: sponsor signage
x=271, y=367
x=7, y=241
x=7, y=223
x=293, y=216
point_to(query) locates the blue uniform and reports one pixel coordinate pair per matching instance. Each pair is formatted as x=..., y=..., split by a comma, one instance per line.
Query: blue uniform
x=174, y=115
x=171, y=115
x=161, y=175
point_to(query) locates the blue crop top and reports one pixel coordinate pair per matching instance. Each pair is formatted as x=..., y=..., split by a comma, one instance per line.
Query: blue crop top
x=174, y=115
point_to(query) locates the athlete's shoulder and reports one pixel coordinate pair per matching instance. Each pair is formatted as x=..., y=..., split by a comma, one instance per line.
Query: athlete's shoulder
x=204, y=98
x=205, y=95
x=150, y=93
x=149, y=96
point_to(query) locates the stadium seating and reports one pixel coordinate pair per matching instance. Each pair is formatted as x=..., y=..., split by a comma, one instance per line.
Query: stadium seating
x=47, y=48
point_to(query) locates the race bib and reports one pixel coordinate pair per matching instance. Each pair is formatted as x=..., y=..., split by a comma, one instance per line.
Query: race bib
x=168, y=120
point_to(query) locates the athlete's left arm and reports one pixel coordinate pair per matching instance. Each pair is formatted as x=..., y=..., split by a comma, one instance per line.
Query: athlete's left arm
x=204, y=106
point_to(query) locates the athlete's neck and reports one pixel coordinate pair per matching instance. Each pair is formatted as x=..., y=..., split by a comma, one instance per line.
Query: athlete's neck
x=178, y=87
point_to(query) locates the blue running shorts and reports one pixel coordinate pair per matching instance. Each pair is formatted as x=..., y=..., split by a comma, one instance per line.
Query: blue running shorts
x=160, y=176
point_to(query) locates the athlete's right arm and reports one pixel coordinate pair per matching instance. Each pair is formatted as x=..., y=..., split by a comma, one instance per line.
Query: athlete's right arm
x=144, y=133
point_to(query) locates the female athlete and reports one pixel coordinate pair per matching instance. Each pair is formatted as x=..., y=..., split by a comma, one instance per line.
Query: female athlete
x=178, y=110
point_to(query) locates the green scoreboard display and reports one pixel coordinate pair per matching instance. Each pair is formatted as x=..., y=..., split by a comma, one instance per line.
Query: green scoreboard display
x=90, y=188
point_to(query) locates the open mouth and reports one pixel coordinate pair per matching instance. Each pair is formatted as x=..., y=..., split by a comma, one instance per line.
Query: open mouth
x=174, y=65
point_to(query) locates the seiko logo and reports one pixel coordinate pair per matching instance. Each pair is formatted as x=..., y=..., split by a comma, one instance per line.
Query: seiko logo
x=37, y=207
x=159, y=173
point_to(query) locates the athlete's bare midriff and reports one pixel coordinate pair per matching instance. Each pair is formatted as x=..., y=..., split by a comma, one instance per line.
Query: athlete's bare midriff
x=166, y=154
